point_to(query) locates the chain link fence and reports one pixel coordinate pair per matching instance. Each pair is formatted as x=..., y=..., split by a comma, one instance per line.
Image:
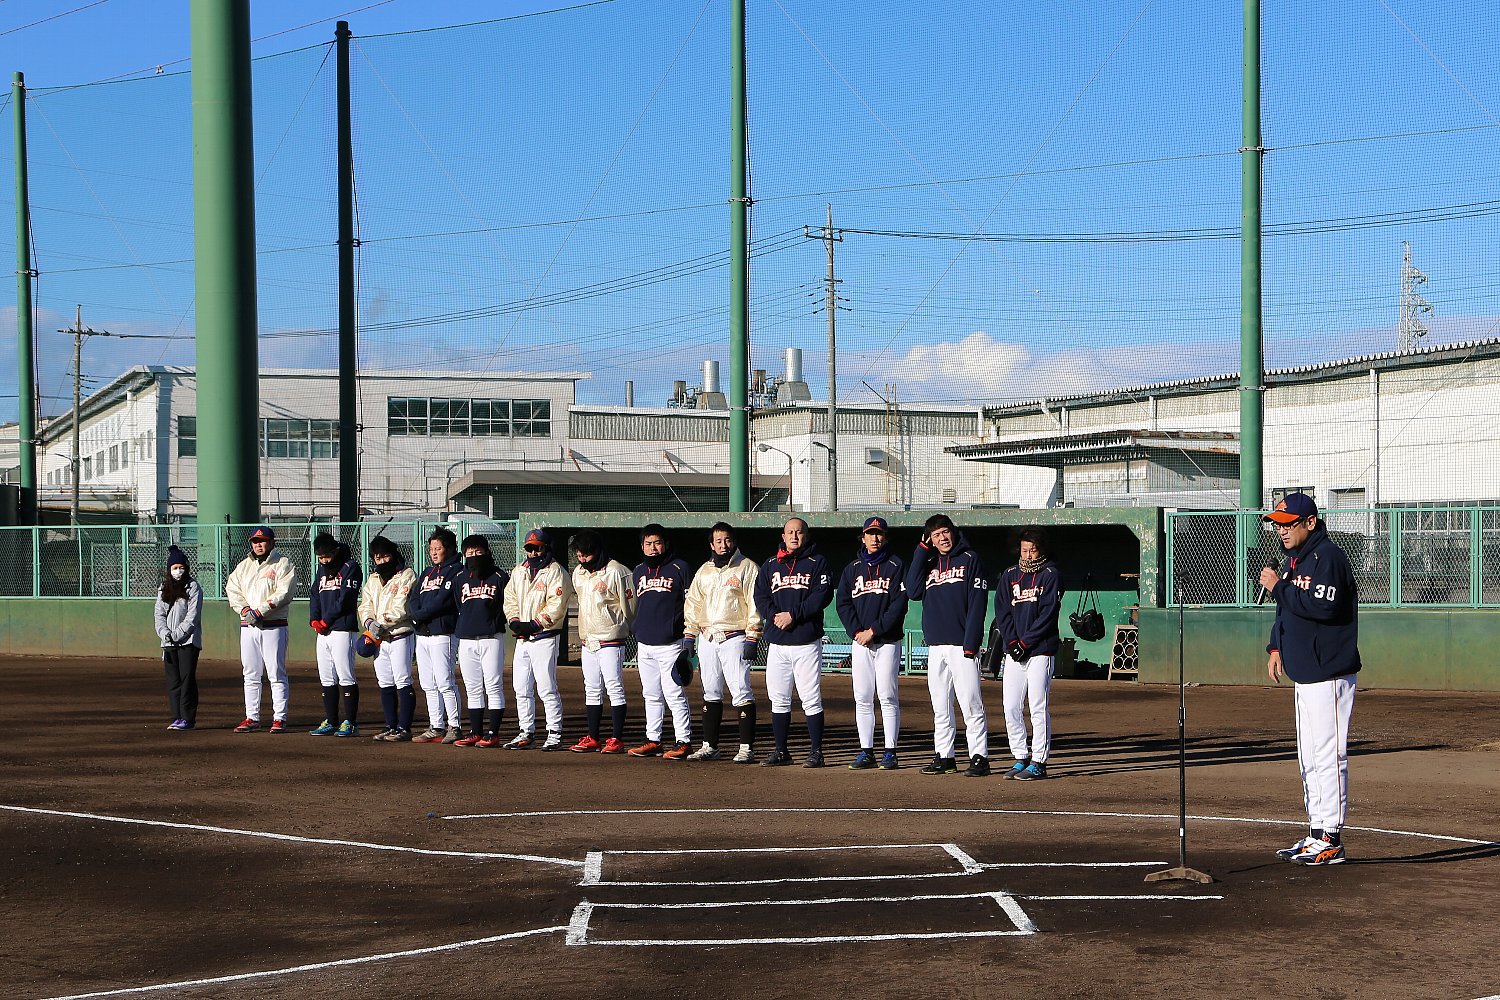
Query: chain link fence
x=1402, y=557
x=128, y=561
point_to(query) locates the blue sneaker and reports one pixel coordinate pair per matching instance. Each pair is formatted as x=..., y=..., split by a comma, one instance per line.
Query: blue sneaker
x=864, y=761
x=1016, y=769
x=888, y=761
x=322, y=729
x=347, y=728
x=1032, y=772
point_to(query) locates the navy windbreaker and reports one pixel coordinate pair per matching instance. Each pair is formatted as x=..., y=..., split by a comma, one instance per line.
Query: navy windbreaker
x=1027, y=606
x=954, y=593
x=481, y=604
x=660, y=596
x=432, y=605
x=335, y=593
x=1317, y=612
x=798, y=583
x=874, y=597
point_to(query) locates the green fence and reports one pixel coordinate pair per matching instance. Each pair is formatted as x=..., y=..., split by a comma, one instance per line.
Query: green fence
x=1438, y=557
x=127, y=561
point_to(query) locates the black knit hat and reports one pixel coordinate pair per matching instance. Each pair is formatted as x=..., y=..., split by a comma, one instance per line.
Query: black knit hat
x=176, y=557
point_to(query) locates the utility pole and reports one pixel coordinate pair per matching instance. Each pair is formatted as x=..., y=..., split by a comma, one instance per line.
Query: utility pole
x=830, y=236
x=348, y=344
x=79, y=331
x=26, y=408
x=739, y=269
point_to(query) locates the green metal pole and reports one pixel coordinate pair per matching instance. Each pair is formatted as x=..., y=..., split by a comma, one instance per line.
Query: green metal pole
x=1252, y=355
x=25, y=363
x=348, y=360
x=224, y=252
x=739, y=278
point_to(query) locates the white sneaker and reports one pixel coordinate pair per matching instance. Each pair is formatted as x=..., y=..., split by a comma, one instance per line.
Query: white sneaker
x=1288, y=853
x=1321, y=852
x=745, y=756
x=705, y=752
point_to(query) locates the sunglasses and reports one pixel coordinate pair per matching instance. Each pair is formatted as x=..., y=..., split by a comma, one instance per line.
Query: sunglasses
x=535, y=548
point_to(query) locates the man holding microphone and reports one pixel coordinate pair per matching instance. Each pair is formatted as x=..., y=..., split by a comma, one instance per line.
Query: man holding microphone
x=1315, y=642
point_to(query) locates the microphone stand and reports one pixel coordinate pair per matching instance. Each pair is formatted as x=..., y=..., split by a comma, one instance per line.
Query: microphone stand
x=1182, y=873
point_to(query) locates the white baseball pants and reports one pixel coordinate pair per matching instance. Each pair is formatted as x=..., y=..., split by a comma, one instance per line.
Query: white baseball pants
x=534, y=674
x=1028, y=682
x=482, y=662
x=875, y=670
x=336, y=659
x=1323, y=711
x=604, y=670
x=393, y=662
x=437, y=655
x=952, y=675
x=660, y=691
x=802, y=664
x=721, y=663
x=263, y=652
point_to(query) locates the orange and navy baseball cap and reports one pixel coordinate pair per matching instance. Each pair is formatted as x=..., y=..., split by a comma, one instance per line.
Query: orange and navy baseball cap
x=264, y=531
x=1294, y=508
x=874, y=524
x=538, y=536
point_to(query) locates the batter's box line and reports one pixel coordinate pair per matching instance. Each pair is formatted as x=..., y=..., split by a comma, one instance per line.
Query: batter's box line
x=578, y=926
x=593, y=864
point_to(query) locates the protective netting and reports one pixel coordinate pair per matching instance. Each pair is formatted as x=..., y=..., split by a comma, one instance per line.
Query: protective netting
x=1036, y=202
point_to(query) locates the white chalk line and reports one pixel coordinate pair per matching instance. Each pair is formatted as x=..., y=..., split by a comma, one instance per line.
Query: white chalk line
x=987, y=865
x=578, y=927
x=1132, y=899
x=593, y=868
x=784, y=850
x=315, y=966
x=132, y=821
x=959, y=810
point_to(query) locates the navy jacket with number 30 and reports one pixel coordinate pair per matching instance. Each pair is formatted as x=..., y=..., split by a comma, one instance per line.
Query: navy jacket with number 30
x=1317, y=612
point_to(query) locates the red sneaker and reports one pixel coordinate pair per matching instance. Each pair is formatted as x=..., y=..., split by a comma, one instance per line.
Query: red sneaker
x=612, y=745
x=248, y=726
x=586, y=745
x=490, y=740
x=472, y=740
x=278, y=725
x=651, y=748
x=678, y=752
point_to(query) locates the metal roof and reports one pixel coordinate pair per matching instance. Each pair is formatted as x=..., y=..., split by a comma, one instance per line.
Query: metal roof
x=1471, y=350
x=1056, y=451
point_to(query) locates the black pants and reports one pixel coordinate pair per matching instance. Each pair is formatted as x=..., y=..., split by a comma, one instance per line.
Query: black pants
x=181, y=664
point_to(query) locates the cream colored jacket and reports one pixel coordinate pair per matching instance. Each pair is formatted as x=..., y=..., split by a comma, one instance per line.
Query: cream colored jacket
x=264, y=587
x=385, y=603
x=543, y=600
x=723, y=600
x=606, y=603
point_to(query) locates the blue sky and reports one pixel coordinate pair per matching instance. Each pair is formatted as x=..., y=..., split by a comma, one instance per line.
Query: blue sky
x=550, y=191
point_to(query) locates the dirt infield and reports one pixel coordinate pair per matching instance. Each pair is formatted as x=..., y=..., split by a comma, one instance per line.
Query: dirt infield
x=302, y=866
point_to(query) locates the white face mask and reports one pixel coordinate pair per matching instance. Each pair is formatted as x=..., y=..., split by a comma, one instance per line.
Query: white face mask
x=178, y=572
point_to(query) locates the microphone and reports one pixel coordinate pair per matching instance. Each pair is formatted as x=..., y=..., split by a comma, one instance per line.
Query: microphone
x=1260, y=598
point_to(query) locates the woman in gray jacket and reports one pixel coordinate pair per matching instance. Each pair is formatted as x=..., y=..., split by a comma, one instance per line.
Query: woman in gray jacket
x=179, y=625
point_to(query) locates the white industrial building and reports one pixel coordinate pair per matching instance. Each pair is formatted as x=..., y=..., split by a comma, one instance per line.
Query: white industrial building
x=1394, y=429
x=502, y=442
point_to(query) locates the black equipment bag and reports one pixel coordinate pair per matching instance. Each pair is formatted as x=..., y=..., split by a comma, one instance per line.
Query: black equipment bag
x=1087, y=624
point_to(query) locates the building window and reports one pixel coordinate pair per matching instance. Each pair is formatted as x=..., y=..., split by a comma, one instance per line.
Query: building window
x=114, y=458
x=406, y=416
x=449, y=417
x=124, y=454
x=187, y=436
x=88, y=469
x=531, y=417
x=412, y=417
x=299, y=438
x=491, y=417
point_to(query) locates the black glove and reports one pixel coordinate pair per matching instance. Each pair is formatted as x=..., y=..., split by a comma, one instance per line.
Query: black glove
x=751, y=648
x=682, y=670
x=524, y=630
x=1017, y=650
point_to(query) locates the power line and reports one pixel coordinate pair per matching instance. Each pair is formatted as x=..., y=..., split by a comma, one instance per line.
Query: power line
x=54, y=17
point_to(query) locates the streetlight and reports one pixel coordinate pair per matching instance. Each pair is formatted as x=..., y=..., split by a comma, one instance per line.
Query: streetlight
x=763, y=447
